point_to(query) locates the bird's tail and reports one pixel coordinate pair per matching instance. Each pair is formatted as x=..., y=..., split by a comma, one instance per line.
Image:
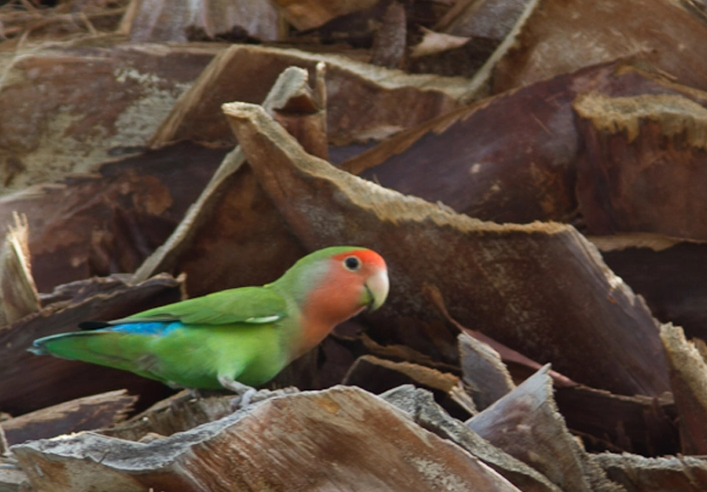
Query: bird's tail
x=103, y=347
x=43, y=346
x=37, y=349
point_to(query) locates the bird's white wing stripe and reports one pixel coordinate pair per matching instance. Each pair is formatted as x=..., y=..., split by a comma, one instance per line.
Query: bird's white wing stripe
x=263, y=319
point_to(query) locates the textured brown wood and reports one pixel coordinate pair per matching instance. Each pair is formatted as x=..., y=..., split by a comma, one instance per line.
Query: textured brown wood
x=434, y=42
x=520, y=283
x=209, y=222
x=389, y=43
x=399, y=351
x=561, y=37
x=379, y=375
x=668, y=273
x=18, y=292
x=304, y=115
x=421, y=407
x=12, y=478
x=637, y=424
x=181, y=20
x=88, y=413
x=263, y=449
x=604, y=420
x=31, y=382
x=483, y=346
x=306, y=14
x=60, y=127
x=27, y=23
x=525, y=424
x=394, y=100
x=639, y=150
x=463, y=60
x=180, y=412
x=485, y=375
x=688, y=377
x=110, y=221
x=511, y=158
x=668, y=474
x=491, y=19
x=4, y=446
x=244, y=242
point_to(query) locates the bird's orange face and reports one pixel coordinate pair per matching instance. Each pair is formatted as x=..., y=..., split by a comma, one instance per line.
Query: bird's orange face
x=363, y=269
x=355, y=280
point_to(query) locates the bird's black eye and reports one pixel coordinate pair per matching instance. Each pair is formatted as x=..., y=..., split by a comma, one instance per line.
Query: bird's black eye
x=352, y=263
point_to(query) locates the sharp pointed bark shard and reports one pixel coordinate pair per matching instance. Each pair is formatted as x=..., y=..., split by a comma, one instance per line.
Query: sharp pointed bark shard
x=419, y=404
x=526, y=424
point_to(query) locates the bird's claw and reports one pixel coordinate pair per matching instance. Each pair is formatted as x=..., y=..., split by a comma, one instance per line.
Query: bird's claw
x=244, y=399
x=245, y=393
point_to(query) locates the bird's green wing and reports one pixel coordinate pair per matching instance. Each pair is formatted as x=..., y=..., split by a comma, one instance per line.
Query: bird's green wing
x=243, y=305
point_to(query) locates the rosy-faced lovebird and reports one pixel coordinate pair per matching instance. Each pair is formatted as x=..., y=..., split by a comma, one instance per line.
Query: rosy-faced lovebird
x=235, y=337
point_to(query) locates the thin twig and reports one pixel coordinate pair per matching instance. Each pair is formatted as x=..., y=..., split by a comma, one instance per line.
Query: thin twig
x=88, y=23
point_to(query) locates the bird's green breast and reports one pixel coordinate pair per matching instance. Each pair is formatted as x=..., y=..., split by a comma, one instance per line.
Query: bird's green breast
x=195, y=356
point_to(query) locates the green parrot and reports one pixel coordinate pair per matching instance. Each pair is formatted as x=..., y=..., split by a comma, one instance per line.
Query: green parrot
x=235, y=338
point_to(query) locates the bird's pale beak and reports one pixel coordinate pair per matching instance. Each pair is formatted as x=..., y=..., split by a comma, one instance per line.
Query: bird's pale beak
x=377, y=286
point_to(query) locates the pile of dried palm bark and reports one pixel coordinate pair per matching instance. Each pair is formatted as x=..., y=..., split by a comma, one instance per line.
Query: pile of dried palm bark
x=533, y=172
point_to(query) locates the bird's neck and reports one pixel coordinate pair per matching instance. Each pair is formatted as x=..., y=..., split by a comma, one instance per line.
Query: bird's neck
x=324, y=309
x=319, y=312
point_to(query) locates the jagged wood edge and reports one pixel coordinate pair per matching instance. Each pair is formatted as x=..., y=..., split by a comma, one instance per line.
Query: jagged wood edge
x=420, y=405
x=292, y=82
x=18, y=291
x=535, y=398
x=688, y=375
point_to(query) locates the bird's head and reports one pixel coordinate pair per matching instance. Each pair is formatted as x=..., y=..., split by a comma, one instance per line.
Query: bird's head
x=335, y=284
x=364, y=272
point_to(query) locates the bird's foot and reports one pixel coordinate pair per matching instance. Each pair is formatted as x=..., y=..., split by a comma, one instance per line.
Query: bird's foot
x=195, y=394
x=245, y=399
x=266, y=394
x=245, y=393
